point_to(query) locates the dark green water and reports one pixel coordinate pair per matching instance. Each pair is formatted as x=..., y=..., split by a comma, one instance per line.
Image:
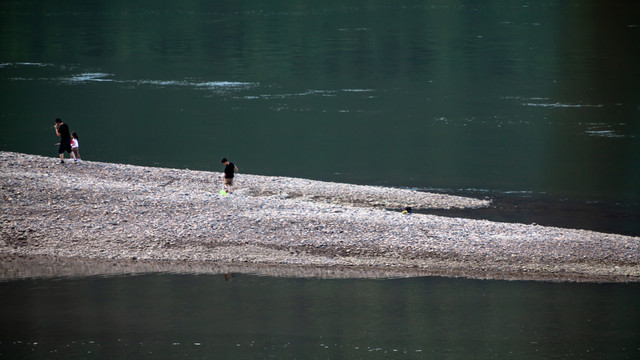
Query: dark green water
x=535, y=104
x=537, y=98
x=177, y=316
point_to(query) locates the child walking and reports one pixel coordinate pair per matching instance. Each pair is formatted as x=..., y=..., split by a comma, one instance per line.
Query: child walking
x=227, y=177
x=75, y=147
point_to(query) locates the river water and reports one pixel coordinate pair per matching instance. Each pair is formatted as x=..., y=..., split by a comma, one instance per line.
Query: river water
x=250, y=317
x=535, y=104
x=522, y=101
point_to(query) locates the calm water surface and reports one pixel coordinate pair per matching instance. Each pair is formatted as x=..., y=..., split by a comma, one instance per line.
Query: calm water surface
x=539, y=98
x=178, y=316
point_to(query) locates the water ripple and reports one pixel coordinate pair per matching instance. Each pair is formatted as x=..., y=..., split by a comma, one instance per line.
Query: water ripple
x=561, y=105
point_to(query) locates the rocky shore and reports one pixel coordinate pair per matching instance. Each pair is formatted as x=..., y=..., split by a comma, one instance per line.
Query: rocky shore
x=97, y=218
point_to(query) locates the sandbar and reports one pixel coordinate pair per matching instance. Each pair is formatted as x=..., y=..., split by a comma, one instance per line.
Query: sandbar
x=97, y=218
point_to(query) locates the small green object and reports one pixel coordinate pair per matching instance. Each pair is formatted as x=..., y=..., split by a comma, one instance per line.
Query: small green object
x=222, y=192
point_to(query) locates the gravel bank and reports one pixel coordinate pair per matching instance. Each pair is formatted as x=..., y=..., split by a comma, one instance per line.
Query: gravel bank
x=99, y=218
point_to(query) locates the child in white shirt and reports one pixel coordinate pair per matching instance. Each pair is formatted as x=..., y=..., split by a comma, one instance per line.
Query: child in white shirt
x=75, y=153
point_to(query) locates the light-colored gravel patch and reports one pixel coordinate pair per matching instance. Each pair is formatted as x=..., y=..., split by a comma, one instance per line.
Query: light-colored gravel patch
x=122, y=218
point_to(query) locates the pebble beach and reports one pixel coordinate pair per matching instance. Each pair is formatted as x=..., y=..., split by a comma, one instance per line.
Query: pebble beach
x=94, y=218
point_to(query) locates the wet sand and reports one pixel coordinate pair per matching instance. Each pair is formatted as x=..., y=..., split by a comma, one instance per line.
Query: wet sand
x=97, y=218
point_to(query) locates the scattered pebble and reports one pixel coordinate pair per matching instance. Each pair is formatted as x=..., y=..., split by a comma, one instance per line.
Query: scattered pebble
x=133, y=218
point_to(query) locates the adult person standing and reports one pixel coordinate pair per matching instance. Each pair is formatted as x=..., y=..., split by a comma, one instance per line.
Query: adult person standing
x=62, y=130
x=229, y=172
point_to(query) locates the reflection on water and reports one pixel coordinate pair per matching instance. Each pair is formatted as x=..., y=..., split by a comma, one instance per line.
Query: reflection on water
x=241, y=316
